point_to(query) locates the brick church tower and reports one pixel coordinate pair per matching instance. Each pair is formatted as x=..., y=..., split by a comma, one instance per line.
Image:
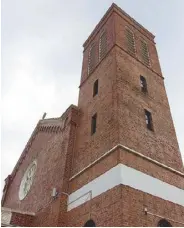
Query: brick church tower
x=114, y=159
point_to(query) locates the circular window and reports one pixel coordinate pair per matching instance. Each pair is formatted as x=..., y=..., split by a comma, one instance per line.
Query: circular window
x=27, y=180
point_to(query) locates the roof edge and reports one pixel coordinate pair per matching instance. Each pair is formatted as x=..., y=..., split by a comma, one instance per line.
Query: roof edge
x=26, y=148
x=116, y=9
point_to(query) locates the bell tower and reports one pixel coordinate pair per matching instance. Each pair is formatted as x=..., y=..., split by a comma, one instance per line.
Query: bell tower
x=126, y=146
x=114, y=159
x=130, y=106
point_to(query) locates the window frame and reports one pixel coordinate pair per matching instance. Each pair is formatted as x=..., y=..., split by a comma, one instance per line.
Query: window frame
x=164, y=223
x=90, y=223
x=143, y=83
x=99, y=46
x=142, y=40
x=90, y=68
x=130, y=30
x=95, y=88
x=93, y=124
x=149, y=119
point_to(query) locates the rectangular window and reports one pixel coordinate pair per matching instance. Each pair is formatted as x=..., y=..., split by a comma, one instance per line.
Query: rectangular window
x=145, y=53
x=95, y=88
x=143, y=84
x=130, y=41
x=103, y=45
x=149, y=121
x=92, y=58
x=93, y=124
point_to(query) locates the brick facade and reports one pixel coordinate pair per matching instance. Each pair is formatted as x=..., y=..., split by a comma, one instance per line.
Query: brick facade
x=70, y=159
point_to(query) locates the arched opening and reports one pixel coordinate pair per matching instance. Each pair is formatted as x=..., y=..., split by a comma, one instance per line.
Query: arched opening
x=90, y=223
x=164, y=223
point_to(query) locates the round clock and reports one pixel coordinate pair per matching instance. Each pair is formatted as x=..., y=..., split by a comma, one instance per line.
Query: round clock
x=27, y=180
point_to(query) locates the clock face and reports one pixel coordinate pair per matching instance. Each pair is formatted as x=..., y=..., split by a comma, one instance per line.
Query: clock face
x=27, y=180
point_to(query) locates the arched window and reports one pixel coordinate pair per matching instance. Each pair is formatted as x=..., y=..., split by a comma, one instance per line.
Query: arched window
x=91, y=58
x=130, y=41
x=90, y=223
x=164, y=223
x=102, y=45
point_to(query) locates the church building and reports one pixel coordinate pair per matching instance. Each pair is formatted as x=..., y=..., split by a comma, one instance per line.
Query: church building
x=112, y=160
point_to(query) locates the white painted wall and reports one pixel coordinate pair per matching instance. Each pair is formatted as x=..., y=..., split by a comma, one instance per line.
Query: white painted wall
x=122, y=174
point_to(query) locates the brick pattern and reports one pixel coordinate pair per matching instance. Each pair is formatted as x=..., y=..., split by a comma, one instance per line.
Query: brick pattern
x=89, y=148
x=160, y=144
x=120, y=26
x=19, y=219
x=105, y=210
x=63, y=148
x=95, y=171
x=102, y=45
x=145, y=53
x=110, y=36
x=124, y=206
x=120, y=103
x=52, y=151
x=133, y=209
x=130, y=41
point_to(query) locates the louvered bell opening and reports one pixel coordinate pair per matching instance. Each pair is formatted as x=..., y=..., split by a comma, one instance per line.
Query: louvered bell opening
x=103, y=45
x=130, y=41
x=91, y=61
x=145, y=53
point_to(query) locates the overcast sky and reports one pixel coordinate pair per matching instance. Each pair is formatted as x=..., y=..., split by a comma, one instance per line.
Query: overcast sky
x=42, y=58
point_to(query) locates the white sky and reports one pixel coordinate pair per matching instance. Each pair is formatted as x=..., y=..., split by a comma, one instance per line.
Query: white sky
x=42, y=58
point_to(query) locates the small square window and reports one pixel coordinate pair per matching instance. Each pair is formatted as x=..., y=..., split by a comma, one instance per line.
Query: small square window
x=95, y=88
x=93, y=124
x=148, y=118
x=143, y=84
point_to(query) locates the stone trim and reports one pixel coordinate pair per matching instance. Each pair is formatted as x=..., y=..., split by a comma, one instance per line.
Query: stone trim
x=17, y=211
x=131, y=151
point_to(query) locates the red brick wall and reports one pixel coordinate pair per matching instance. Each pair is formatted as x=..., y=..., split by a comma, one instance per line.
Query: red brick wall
x=95, y=171
x=53, y=215
x=160, y=144
x=107, y=26
x=89, y=148
x=151, y=169
x=120, y=103
x=19, y=219
x=134, y=202
x=130, y=160
x=120, y=119
x=104, y=209
x=121, y=22
x=124, y=206
x=52, y=151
